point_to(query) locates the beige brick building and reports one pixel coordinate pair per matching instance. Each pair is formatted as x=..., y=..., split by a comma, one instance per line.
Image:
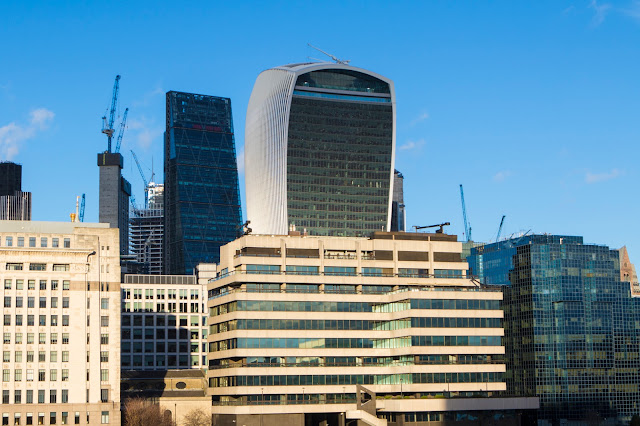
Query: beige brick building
x=61, y=329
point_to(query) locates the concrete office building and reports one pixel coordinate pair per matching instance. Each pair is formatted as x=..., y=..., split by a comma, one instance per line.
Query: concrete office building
x=202, y=193
x=305, y=330
x=61, y=327
x=146, y=231
x=14, y=204
x=571, y=326
x=164, y=321
x=319, y=150
x=114, y=192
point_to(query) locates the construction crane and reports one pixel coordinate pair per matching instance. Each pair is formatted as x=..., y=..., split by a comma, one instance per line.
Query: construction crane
x=438, y=231
x=107, y=126
x=337, y=61
x=81, y=213
x=121, y=131
x=467, y=225
x=132, y=199
x=500, y=228
x=144, y=180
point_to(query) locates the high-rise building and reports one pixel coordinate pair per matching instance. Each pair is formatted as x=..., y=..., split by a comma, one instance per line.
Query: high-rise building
x=628, y=271
x=146, y=231
x=164, y=321
x=570, y=326
x=61, y=310
x=398, y=213
x=14, y=204
x=202, y=194
x=301, y=327
x=319, y=150
x=114, y=192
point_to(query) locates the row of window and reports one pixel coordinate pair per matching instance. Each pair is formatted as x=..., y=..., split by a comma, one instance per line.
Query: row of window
x=31, y=284
x=41, y=375
x=270, y=305
x=351, y=271
x=182, y=294
x=53, y=417
x=42, y=338
x=353, y=343
x=44, y=242
x=42, y=356
x=170, y=360
x=173, y=307
x=160, y=334
x=42, y=320
x=31, y=302
x=301, y=324
x=163, y=347
x=356, y=379
x=162, y=320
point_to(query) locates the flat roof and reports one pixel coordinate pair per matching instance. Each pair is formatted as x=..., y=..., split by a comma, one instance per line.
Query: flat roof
x=46, y=227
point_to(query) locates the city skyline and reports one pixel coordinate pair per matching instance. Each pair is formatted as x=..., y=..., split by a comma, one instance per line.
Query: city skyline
x=506, y=99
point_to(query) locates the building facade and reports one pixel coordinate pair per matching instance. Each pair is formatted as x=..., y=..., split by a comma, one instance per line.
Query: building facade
x=14, y=204
x=571, y=325
x=146, y=231
x=302, y=327
x=114, y=192
x=61, y=326
x=398, y=213
x=202, y=193
x=319, y=150
x=164, y=321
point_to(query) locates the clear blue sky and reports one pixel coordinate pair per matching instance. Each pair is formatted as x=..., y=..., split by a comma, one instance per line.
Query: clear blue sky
x=532, y=106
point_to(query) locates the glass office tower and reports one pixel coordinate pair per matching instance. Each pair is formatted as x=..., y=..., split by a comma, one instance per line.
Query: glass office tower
x=571, y=325
x=202, y=198
x=319, y=150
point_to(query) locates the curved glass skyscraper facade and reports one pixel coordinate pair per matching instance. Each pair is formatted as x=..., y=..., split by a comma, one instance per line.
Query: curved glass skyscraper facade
x=319, y=150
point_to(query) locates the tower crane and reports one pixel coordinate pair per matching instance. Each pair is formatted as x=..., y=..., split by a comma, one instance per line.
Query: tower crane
x=121, y=131
x=438, y=231
x=144, y=180
x=467, y=225
x=107, y=126
x=500, y=228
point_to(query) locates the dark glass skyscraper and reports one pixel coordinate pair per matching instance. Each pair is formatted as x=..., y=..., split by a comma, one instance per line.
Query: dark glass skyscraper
x=202, y=198
x=571, y=325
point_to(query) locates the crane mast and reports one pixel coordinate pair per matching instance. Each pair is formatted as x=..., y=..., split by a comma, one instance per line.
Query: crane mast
x=500, y=228
x=467, y=225
x=121, y=131
x=144, y=180
x=107, y=126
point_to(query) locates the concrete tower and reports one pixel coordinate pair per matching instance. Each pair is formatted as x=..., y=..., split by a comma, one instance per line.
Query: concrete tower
x=115, y=191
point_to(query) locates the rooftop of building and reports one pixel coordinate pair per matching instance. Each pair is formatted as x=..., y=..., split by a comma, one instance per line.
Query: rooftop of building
x=32, y=226
x=376, y=235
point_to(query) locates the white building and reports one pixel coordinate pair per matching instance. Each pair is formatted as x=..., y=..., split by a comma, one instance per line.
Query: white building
x=61, y=329
x=302, y=327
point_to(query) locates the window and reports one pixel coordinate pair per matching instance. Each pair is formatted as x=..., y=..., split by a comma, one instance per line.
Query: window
x=54, y=338
x=42, y=356
x=30, y=337
x=52, y=418
x=18, y=356
x=65, y=378
x=9, y=241
x=7, y=320
x=20, y=241
x=104, y=356
x=7, y=301
x=29, y=418
x=17, y=375
x=42, y=338
x=6, y=356
x=104, y=395
x=104, y=321
x=104, y=339
x=43, y=300
x=54, y=319
x=29, y=378
x=54, y=284
x=31, y=302
x=31, y=284
x=55, y=242
x=40, y=418
x=61, y=267
x=42, y=320
x=104, y=418
x=19, y=302
x=29, y=356
x=14, y=266
x=65, y=320
x=67, y=243
x=53, y=356
x=7, y=284
x=65, y=302
x=65, y=338
x=32, y=241
x=65, y=418
x=65, y=356
x=5, y=397
x=6, y=337
x=42, y=375
x=76, y=418
x=65, y=396
x=6, y=375
x=29, y=396
x=65, y=284
x=17, y=396
x=30, y=320
x=53, y=375
x=41, y=396
x=104, y=375
x=19, y=284
x=53, y=396
x=37, y=266
x=18, y=338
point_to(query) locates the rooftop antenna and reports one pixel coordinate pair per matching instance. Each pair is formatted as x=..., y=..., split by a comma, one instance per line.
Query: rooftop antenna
x=336, y=60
